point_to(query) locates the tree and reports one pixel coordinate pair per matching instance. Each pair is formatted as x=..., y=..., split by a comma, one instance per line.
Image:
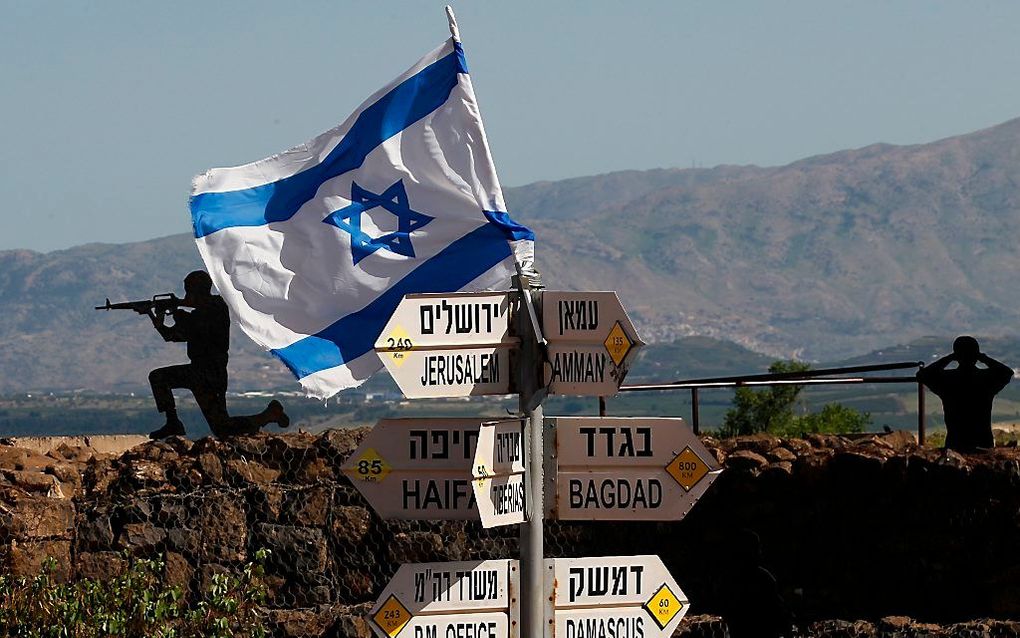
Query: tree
x=772, y=410
x=833, y=418
x=765, y=410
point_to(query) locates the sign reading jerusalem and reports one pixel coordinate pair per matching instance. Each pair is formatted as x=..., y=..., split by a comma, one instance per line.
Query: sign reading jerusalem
x=625, y=468
x=449, y=345
x=591, y=342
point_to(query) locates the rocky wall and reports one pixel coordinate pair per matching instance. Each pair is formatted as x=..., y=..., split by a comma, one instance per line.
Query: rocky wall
x=865, y=530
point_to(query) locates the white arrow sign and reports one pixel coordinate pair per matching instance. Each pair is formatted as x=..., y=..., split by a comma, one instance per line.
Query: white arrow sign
x=417, y=468
x=620, y=596
x=449, y=345
x=437, y=600
x=499, y=472
x=592, y=342
x=436, y=320
x=624, y=468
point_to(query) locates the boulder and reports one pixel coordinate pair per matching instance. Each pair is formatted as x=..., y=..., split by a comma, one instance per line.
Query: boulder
x=779, y=454
x=243, y=471
x=308, y=507
x=38, y=482
x=33, y=517
x=297, y=553
x=94, y=532
x=141, y=538
x=26, y=558
x=299, y=623
x=746, y=460
x=842, y=629
x=415, y=547
x=177, y=571
x=702, y=626
x=900, y=440
x=336, y=445
x=185, y=541
x=100, y=566
x=210, y=465
x=759, y=443
x=221, y=520
x=351, y=524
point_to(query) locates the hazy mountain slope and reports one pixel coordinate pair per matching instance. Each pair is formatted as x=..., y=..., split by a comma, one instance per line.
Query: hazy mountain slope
x=827, y=257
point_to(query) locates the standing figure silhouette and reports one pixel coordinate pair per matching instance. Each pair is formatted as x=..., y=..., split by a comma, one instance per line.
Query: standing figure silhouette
x=206, y=330
x=967, y=392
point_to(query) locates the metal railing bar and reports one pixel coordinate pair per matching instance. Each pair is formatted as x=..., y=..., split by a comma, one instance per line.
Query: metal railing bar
x=777, y=376
x=656, y=387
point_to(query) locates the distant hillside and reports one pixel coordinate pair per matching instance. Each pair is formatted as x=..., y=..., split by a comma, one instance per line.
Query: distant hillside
x=823, y=259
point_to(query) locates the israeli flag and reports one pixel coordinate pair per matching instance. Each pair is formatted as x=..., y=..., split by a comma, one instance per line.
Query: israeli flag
x=313, y=248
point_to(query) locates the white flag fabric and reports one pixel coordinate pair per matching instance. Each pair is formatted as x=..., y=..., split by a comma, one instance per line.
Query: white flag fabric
x=313, y=248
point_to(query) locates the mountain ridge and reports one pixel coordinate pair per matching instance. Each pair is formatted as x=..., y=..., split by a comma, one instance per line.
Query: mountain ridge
x=822, y=258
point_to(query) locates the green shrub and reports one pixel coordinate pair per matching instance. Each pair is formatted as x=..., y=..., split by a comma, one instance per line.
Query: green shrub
x=772, y=410
x=134, y=604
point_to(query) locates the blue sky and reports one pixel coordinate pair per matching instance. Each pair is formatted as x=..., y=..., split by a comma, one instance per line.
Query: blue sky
x=110, y=108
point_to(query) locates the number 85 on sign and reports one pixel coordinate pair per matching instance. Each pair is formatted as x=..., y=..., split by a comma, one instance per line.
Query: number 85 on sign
x=370, y=467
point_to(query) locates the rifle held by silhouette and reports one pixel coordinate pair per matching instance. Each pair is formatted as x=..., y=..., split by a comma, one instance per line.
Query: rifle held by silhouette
x=164, y=304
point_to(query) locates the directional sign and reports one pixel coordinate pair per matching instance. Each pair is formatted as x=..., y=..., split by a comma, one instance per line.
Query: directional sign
x=451, y=319
x=592, y=342
x=499, y=473
x=437, y=600
x=458, y=372
x=613, y=596
x=417, y=468
x=449, y=345
x=623, y=468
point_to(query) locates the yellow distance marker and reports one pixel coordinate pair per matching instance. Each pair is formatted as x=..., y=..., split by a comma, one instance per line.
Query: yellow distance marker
x=687, y=469
x=398, y=342
x=617, y=343
x=664, y=606
x=370, y=466
x=392, y=617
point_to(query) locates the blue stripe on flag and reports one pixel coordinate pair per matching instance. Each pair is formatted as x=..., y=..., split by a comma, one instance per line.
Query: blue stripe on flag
x=352, y=336
x=410, y=101
x=511, y=229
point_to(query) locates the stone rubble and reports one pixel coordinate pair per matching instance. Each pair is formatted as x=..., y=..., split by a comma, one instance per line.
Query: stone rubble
x=905, y=530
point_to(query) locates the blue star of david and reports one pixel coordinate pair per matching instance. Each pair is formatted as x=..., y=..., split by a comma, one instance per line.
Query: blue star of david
x=394, y=200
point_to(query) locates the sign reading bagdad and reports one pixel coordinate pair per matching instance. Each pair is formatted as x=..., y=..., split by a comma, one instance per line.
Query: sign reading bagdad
x=625, y=468
x=469, y=599
x=449, y=345
x=591, y=342
x=322, y=253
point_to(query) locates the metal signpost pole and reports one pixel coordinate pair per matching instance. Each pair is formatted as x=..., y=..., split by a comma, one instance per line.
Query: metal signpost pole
x=532, y=545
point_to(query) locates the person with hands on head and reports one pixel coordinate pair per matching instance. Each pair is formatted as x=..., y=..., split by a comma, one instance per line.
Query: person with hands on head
x=967, y=392
x=206, y=330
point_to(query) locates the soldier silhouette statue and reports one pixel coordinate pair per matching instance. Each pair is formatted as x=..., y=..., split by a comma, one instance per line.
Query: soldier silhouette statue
x=967, y=392
x=206, y=330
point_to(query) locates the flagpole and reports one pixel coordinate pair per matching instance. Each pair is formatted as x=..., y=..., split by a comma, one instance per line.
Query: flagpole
x=452, y=19
x=532, y=594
